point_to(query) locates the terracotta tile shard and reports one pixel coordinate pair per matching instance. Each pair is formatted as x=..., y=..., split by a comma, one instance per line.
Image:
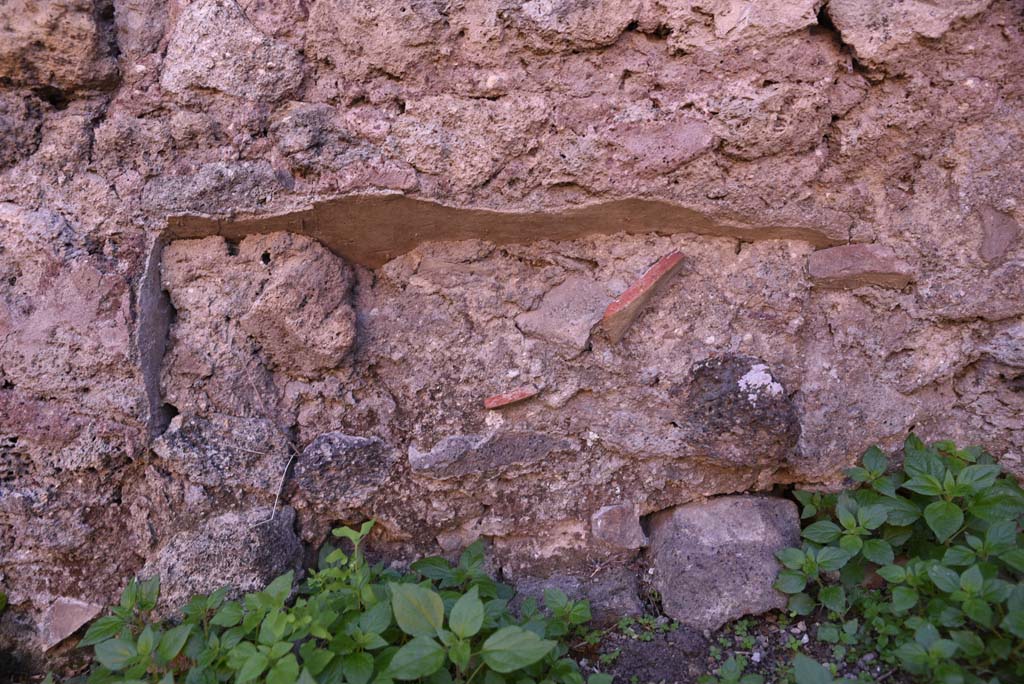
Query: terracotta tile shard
x=621, y=313
x=510, y=397
x=850, y=266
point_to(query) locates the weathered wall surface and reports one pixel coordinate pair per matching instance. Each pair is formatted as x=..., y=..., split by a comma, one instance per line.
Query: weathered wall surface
x=208, y=270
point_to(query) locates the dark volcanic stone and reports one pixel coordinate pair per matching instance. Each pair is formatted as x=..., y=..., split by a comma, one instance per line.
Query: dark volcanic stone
x=738, y=413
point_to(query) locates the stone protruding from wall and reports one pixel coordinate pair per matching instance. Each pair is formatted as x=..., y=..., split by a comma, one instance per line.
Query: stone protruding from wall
x=850, y=266
x=714, y=561
x=244, y=549
x=618, y=525
x=739, y=414
x=625, y=309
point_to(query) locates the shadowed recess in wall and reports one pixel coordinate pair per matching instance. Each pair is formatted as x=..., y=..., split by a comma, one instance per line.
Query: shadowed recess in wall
x=370, y=230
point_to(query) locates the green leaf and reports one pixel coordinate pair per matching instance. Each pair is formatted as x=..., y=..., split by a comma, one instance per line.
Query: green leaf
x=885, y=485
x=926, y=634
x=790, y=581
x=229, y=615
x=833, y=598
x=173, y=641
x=285, y=671
x=472, y=557
x=945, y=579
x=958, y=555
x=902, y=511
x=903, y=599
x=944, y=518
x=851, y=544
x=913, y=656
x=579, y=613
x=1014, y=558
x=555, y=599
x=878, y=551
x=970, y=643
x=599, y=678
x=822, y=532
x=316, y=659
x=858, y=474
x=418, y=611
x=979, y=611
x=801, y=604
x=116, y=654
x=358, y=667
x=149, y=593
x=435, y=568
x=977, y=478
x=459, y=653
x=512, y=648
x=252, y=668
x=1001, y=536
x=872, y=517
x=845, y=516
x=828, y=633
x=972, y=580
x=924, y=484
x=792, y=558
x=809, y=671
x=467, y=614
x=130, y=594
x=920, y=460
x=101, y=630
x=281, y=587
x=894, y=574
x=421, y=657
x=1014, y=623
x=377, y=619
x=875, y=460
x=831, y=558
x=942, y=649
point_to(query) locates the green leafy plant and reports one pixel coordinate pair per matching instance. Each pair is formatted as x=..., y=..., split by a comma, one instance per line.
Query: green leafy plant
x=929, y=556
x=351, y=622
x=732, y=671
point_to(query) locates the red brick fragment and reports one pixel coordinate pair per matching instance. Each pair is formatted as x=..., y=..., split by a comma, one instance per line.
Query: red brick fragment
x=510, y=397
x=621, y=313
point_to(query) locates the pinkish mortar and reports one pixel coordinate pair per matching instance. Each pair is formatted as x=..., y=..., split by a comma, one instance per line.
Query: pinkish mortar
x=487, y=177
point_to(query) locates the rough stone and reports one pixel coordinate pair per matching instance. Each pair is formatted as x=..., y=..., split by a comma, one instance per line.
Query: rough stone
x=245, y=550
x=739, y=413
x=715, y=561
x=619, y=526
x=567, y=313
x=490, y=455
x=1000, y=233
x=60, y=44
x=224, y=452
x=851, y=266
x=337, y=473
x=214, y=45
x=861, y=23
x=64, y=617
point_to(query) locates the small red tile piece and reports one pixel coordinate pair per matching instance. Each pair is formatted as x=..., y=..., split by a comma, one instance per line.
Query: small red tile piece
x=621, y=313
x=510, y=397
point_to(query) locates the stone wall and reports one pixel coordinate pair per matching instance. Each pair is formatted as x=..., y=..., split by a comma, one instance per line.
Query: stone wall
x=530, y=271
